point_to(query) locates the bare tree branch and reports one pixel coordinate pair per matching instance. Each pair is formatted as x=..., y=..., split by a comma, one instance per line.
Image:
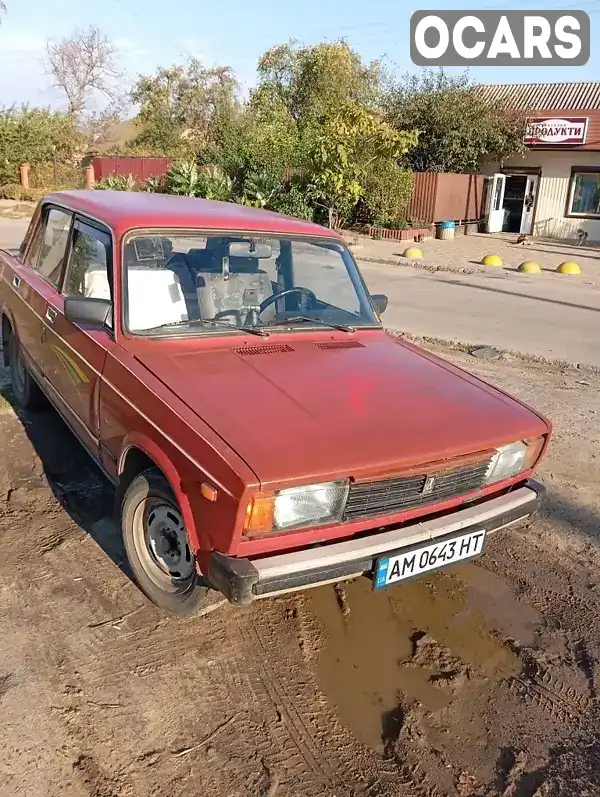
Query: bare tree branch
x=82, y=64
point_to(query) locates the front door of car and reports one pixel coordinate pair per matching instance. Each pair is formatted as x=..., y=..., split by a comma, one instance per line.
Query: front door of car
x=36, y=281
x=74, y=356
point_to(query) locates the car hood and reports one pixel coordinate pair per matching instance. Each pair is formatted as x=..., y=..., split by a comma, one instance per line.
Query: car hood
x=360, y=406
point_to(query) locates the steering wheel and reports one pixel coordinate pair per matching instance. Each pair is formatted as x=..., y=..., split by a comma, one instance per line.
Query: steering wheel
x=312, y=299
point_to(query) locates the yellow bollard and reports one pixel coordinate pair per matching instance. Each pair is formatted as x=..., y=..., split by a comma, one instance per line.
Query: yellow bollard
x=413, y=253
x=568, y=267
x=491, y=260
x=529, y=267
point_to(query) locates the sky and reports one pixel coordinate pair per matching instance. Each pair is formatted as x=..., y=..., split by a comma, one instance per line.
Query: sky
x=149, y=33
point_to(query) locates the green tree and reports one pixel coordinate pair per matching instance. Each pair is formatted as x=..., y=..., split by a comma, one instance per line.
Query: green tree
x=387, y=188
x=182, y=107
x=39, y=136
x=457, y=123
x=294, y=110
x=312, y=82
x=349, y=150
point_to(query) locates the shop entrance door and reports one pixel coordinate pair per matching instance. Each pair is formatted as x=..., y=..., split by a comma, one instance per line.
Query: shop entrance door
x=531, y=188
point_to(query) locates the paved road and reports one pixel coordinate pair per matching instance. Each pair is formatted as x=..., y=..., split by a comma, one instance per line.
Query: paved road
x=12, y=232
x=548, y=316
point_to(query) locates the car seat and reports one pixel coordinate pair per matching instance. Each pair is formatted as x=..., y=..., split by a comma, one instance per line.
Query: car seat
x=246, y=285
x=96, y=284
x=154, y=298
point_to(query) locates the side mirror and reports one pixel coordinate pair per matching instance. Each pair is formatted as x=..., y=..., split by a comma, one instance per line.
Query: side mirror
x=380, y=301
x=88, y=312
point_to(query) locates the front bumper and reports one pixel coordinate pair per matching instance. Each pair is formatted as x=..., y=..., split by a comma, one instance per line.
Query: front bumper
x=244, y=580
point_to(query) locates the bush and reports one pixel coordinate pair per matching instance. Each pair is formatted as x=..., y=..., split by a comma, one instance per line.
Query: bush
x=154, y=185
x=36, y=136
x=185, y=178
x=11, y=191
x=260, y=188
x=35, y=194
x=214, y=183
x=182, y=178
x=16, y=192
x=116, y=182
x=396, y=224
x=293, y=202
x=66, y=175
x=386, y=194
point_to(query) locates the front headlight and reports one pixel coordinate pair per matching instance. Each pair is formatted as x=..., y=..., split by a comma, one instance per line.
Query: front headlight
x=297, y=507
x=512, y=459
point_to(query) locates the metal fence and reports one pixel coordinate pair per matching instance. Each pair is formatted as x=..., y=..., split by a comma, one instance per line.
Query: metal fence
x=446, y=197
x=435, y=196
x=140, y=168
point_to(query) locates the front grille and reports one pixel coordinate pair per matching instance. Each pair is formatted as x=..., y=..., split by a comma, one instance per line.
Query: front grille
x=387, y=496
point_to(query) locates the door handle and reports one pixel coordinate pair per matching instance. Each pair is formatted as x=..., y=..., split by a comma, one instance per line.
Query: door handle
x=16, y=282
x=51, y=315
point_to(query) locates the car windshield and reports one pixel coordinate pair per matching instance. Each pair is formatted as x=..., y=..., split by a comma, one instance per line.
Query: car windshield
x=191, y=283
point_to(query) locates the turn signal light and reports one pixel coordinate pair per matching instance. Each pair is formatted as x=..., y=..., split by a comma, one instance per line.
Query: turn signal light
x=260, y=515
x=208, y=492
x=534, y=449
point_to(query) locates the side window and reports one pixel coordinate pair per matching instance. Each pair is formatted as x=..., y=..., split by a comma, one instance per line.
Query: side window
x=89, y=267
x=34, y=239
x=53, y=247
x=89, y=273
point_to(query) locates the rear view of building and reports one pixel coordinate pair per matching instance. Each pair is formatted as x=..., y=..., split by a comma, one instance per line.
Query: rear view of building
x=555, y=190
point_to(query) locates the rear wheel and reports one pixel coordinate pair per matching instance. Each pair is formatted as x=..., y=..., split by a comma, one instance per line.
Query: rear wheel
x=158, y=549
x=24, y=386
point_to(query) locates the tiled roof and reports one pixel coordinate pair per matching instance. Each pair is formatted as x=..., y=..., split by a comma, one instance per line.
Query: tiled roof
x=546, y=96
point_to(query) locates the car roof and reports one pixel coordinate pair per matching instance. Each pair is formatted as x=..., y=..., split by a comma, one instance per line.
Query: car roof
x=126, y=210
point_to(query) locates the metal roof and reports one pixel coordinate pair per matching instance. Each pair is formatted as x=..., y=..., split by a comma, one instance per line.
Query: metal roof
x=126, y=210
x=545, y=96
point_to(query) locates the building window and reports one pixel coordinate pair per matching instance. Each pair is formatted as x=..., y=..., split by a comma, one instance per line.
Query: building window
x=584, y=194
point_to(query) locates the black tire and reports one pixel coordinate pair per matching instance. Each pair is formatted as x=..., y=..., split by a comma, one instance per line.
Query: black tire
x=24, y=386
x=148, y=507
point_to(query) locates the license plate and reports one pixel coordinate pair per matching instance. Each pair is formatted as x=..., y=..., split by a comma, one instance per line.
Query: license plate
x=425, y=558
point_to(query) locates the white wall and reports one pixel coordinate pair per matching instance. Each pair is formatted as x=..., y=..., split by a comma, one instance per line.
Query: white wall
x=550, y=220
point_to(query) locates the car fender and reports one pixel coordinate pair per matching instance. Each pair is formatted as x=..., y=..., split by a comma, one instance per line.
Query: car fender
x=6, y=312
x=162, y=461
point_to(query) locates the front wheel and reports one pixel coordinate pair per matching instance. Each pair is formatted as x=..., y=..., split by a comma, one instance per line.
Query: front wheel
x=157, y=546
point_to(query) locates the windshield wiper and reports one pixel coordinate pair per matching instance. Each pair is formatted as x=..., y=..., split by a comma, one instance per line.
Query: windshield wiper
x=294, y=319
x=195, y=322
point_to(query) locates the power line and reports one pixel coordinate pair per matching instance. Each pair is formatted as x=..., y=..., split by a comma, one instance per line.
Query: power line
x=392, y=21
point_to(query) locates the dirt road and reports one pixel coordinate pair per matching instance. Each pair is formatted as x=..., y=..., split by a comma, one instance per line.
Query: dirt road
x=481, y=682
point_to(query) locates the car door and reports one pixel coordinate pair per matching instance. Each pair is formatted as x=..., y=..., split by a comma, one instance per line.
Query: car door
x=36, y=278
x=74, y=356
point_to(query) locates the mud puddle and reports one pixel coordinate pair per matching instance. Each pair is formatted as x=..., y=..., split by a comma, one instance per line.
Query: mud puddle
x=419, y=644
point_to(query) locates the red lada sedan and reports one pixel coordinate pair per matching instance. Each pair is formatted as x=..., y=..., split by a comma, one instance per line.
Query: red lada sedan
x=228, y=371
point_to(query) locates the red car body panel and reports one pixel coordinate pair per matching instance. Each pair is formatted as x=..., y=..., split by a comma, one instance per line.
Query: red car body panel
x=205, y=410
x=310, y=414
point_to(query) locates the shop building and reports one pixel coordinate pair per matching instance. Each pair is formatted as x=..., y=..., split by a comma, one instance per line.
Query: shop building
x=554, y=191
